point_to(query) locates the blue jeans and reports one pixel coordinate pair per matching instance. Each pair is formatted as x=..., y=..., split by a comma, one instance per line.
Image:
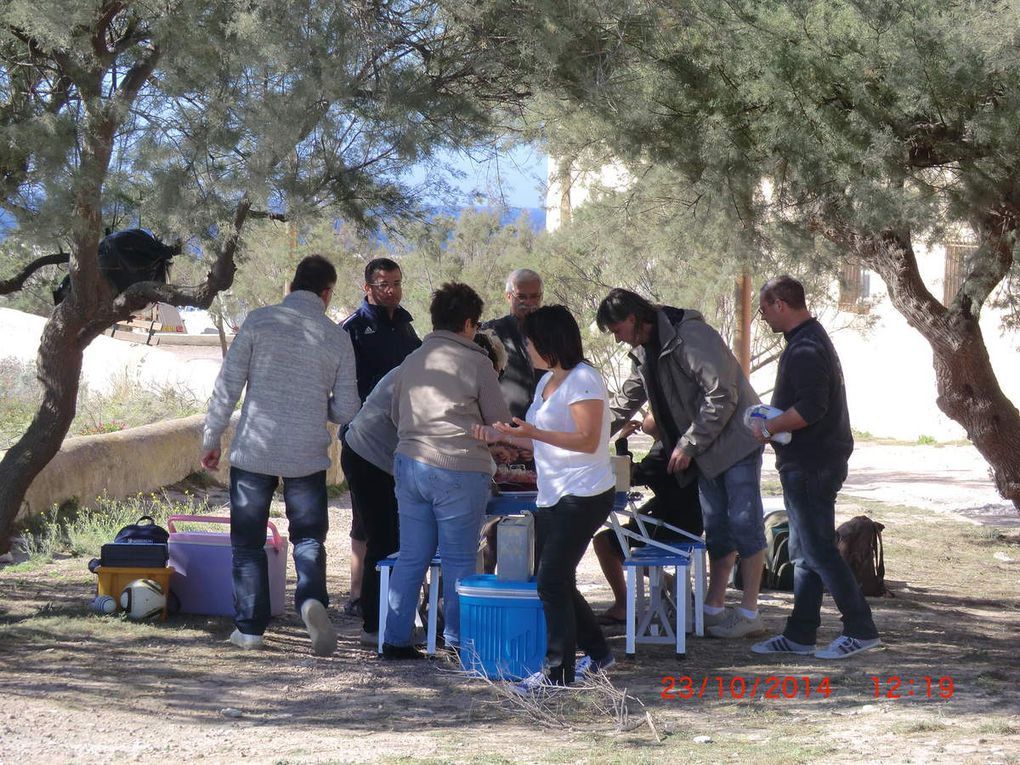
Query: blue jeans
x=810, y=497
x=731, y=507
x=438, y=508
x=305, y=501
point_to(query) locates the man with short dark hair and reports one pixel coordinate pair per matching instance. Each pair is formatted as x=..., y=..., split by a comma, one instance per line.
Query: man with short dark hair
x=380, y=328
x=812, y=467
x=382, y=336
x=524, y=295
x=296, y=368
x=698, y=393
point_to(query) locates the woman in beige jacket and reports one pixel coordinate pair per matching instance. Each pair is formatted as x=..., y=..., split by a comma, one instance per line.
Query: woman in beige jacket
x=442, y=473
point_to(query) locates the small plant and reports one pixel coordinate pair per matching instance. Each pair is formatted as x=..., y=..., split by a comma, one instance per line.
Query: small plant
x=100, y=427
x=926, y=440
x=862, y=435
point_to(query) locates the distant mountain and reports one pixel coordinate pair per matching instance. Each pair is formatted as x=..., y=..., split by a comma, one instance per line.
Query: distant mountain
x=536, y=216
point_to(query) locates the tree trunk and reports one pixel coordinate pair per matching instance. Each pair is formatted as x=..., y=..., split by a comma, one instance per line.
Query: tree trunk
x=59, y=369
x=968, y=390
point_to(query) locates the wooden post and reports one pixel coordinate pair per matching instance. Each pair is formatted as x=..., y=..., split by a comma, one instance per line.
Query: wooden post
x=744, y=315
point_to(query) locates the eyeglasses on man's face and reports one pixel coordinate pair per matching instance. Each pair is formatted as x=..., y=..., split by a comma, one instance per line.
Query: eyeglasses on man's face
x=386, y=286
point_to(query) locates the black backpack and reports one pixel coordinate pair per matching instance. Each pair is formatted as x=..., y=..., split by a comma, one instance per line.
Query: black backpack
x=778, y=573
x=142, y=533
x=127, y=257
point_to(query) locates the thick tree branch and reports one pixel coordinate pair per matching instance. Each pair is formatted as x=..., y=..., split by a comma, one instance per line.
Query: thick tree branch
x=102, y=26
x=17, y=282
x=264, y=215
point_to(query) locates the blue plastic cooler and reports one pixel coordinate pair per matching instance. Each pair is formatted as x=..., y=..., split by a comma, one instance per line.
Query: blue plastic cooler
x=502, y=627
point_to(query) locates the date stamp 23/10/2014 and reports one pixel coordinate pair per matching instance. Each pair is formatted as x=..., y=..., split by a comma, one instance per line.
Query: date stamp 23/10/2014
x=737, y=687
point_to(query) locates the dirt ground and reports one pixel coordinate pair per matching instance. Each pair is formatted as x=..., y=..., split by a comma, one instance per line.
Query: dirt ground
x=80, y=688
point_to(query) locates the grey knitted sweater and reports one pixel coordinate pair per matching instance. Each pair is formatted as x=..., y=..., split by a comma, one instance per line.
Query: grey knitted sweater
x=298, y=367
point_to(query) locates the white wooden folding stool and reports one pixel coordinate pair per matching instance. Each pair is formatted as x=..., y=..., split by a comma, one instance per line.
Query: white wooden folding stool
x=384, y=567
x=649, y=621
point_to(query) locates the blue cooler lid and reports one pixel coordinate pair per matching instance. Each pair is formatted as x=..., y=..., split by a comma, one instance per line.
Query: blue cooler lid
x=490, y=586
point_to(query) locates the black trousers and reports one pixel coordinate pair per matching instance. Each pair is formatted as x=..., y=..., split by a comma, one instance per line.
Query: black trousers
x=562, y=534
x=375, y=505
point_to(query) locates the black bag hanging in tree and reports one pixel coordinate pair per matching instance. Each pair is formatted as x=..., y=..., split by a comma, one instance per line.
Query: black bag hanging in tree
x=126, y=257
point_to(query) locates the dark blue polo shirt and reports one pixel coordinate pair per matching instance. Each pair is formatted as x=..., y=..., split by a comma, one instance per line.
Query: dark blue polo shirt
x=810, y=378
x=380, y=343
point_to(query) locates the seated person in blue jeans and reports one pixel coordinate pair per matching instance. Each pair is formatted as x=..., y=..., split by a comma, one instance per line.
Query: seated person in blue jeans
x=671, y=502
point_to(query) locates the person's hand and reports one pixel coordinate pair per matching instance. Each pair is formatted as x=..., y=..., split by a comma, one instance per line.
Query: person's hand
x=760, y=437
x=679, y=461
x=518, y=428
x=211, y=459
x=485, y=433
x=503, y=455
x=631, y=426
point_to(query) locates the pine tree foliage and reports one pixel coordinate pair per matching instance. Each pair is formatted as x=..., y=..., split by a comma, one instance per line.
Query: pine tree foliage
x=193, y=118
x=878, y=126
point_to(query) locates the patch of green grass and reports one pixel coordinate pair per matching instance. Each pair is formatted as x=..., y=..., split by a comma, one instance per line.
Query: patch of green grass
x=125, y=404
x=862, y=435
x=919, y=726
x=335, y=490
x=81, y=532
x=999, y=728
x=924, y=440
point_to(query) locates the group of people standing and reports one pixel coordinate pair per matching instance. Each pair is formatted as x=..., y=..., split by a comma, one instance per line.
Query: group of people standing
x=419, y=418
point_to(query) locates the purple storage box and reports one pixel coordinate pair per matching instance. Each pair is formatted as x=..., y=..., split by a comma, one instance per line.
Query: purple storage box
x=202, y=578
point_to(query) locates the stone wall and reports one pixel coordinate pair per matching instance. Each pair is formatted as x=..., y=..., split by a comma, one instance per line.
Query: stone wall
x=135, y=460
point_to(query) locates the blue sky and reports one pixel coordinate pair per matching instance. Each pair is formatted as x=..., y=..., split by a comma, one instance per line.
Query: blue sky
x=515, y=178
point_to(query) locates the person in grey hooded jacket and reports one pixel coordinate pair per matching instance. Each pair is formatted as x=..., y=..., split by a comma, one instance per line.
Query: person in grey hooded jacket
x=697, y=393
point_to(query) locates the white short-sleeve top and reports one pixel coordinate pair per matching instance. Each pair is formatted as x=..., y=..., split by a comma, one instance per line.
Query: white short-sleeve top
x=561, y=471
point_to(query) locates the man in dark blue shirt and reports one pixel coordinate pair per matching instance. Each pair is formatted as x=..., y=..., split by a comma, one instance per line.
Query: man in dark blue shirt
x=382, y=336
x=380, y=329
x=812, y=468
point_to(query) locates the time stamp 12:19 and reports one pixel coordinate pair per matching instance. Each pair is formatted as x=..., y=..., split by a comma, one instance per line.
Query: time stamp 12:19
x=791, y=687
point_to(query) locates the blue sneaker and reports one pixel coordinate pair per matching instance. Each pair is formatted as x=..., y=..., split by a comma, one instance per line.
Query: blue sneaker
x=588, y=666
x=534, y=685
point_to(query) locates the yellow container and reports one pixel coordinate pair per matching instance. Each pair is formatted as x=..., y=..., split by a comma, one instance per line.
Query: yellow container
x=113, y=579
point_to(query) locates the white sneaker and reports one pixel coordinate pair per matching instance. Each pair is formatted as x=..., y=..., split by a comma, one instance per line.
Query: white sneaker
x=736, y=625
x=712, y=620
x=845, y=646
x=780, y=644
x=247, y=642
x=319, y=627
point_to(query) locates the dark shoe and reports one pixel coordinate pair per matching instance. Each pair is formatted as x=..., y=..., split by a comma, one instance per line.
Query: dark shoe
x=400, y=652
x=353, y=607
x=606, y=619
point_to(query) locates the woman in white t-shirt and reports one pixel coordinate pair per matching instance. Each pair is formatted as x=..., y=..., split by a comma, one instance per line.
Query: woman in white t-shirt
x=567, y=426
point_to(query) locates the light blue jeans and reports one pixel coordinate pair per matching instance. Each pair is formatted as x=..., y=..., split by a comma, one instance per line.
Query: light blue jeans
x=731, y=507
x=438, y=508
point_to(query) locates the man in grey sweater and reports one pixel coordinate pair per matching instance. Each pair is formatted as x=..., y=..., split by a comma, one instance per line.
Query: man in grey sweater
x=298, y=369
